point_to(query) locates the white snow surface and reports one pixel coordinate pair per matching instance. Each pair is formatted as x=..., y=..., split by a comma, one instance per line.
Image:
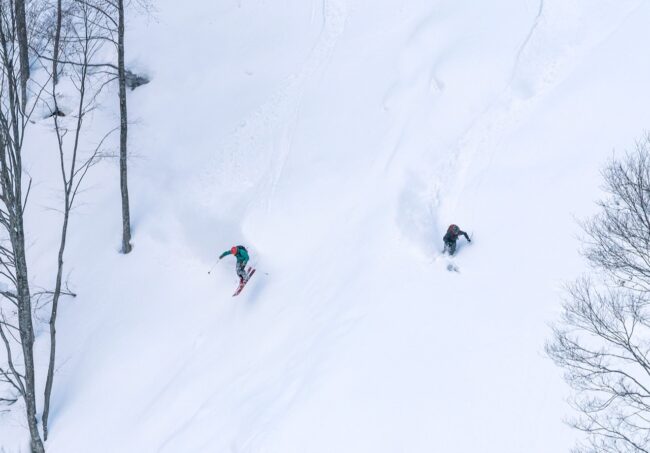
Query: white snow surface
x=337, y=139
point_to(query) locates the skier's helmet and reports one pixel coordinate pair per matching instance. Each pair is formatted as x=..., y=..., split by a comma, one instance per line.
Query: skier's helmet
x=234, y=250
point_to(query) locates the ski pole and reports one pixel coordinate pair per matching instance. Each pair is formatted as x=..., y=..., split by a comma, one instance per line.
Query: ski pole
x=213, y=266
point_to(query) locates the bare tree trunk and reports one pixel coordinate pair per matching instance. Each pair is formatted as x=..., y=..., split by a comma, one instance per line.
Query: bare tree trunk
x=55, y=306
x=12, y=122
x=11, y=185
x=26, y=329
x=57, y=42
x=21, y=25
x=126, y=217
x=64, y=229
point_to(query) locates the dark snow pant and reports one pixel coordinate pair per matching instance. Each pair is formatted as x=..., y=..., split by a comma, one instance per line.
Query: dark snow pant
x=450, y=246
x=240, y=267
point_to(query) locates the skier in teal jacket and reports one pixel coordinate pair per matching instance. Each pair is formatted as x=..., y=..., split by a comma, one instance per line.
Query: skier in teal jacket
x=239, y=252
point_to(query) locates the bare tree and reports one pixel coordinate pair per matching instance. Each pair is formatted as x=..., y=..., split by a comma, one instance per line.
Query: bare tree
x=67, y=36
x=603, y=338
x=79, y=40
x=109, y=20
x=14, y=119
x=76, y=37
x=124, y=187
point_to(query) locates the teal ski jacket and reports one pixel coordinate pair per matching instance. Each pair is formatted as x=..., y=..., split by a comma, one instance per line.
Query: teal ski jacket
x=241, y=255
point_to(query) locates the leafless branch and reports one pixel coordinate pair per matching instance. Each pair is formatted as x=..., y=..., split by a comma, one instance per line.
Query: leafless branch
x=602, y=341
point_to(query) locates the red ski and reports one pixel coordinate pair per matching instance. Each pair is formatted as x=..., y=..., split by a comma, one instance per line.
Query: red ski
x=243, y=283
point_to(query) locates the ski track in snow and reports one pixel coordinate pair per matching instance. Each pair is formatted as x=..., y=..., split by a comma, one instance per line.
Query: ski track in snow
x=536, y=70
x=334, y=18
x=510, y=107
x=521, y=49
x=407, y=88
x=269, y=130
x=285, y=383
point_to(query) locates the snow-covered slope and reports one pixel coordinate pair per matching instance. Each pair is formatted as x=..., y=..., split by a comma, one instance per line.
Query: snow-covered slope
x=337, y=139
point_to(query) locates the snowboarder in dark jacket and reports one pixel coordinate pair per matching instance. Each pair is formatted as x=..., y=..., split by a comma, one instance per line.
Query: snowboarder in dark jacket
x=239, y=252
x=450, y=238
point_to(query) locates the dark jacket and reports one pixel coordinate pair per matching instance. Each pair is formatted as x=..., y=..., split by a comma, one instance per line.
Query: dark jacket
x=453, y=234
